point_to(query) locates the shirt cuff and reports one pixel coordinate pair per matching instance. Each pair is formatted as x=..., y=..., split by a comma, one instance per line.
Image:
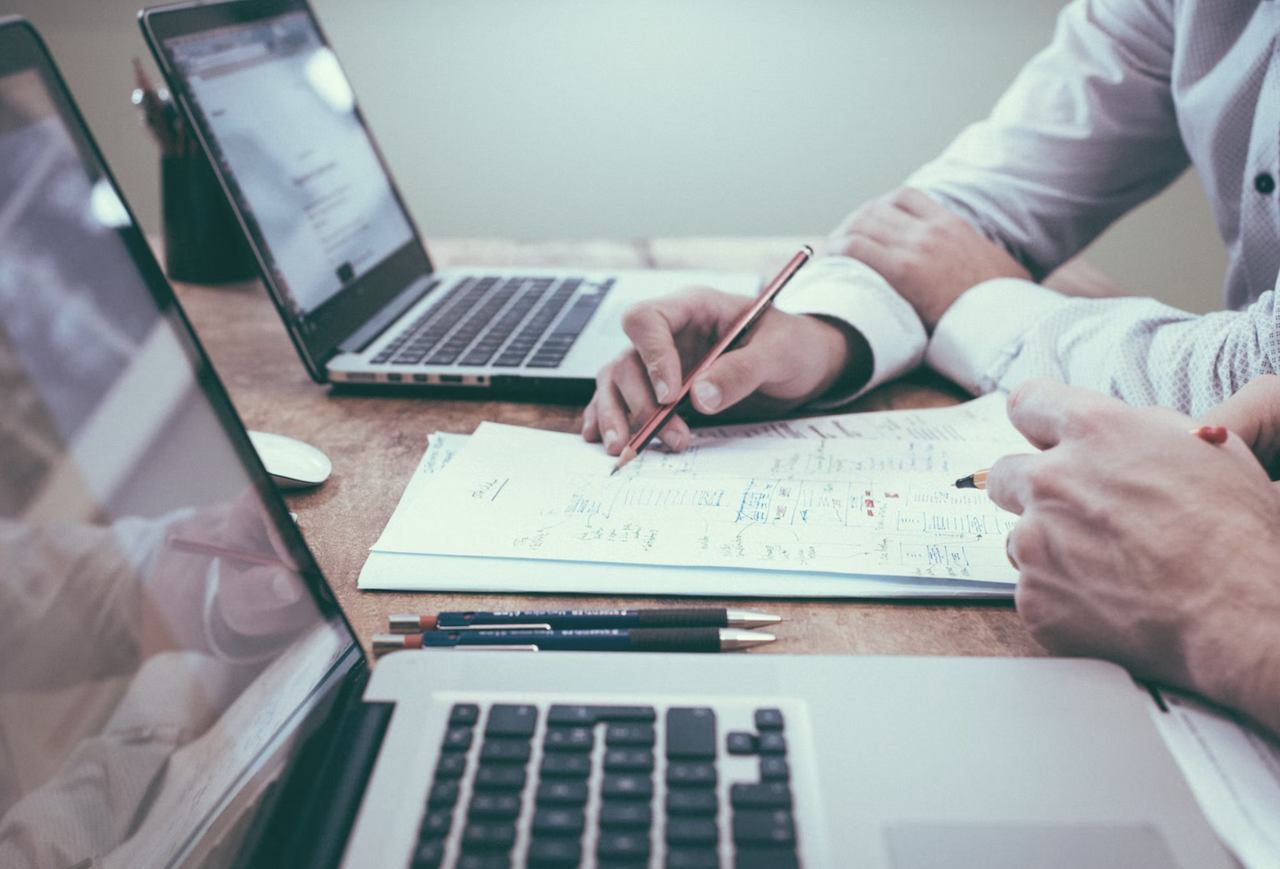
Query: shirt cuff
x=980, y=334
x=847, y=290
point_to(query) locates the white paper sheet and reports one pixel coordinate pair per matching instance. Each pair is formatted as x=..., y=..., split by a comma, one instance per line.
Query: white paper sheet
x=869, y=498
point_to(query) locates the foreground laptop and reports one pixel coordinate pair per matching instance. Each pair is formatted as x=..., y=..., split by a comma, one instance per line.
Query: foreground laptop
x=338, y=251
x=179, y=687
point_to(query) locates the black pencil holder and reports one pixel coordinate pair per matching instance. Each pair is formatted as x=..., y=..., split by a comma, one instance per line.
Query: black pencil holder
x=203, y=241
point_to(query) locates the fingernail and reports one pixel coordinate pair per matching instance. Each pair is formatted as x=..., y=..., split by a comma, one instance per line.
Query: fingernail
x=707, y=394
x=609, y=437
x=673, y=439
x=661, y=390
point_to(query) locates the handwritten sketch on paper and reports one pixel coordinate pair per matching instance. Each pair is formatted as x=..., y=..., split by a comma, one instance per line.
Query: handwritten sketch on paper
x=841, y=504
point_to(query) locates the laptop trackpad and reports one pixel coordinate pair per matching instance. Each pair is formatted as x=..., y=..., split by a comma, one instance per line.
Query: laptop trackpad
x=1027, y=846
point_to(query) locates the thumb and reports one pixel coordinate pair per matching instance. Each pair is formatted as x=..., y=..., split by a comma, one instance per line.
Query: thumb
x=730, y=379
x=1253, y=415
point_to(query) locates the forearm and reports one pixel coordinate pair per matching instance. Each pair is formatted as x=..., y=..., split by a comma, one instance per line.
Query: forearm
x=1084, y=133
x=1005, y=332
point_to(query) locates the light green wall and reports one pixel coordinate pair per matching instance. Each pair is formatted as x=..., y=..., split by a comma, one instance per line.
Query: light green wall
x=605, y=118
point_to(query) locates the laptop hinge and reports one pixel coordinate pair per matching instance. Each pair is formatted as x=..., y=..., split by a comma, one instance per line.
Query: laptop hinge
x=317, y=803
x=360, y=339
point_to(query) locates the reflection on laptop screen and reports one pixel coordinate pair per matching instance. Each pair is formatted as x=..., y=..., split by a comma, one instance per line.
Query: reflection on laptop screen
x=142, y=678
x=284, y=124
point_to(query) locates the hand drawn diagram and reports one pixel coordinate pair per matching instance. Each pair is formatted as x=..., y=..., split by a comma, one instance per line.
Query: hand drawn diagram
x=843, y=505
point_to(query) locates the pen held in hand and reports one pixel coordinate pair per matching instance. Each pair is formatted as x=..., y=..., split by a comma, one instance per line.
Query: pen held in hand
x=735, y=333
x=976, y=480
x=1214, y=435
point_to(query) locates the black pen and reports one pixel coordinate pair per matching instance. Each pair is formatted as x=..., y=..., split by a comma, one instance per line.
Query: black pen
x=549, y=620
x=593, y=640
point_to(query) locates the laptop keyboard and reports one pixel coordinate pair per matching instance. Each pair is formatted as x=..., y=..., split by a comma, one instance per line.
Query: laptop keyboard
x=610, y=786
x=505, y=322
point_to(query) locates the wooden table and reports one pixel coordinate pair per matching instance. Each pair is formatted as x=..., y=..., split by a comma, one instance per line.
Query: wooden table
x=376, y=441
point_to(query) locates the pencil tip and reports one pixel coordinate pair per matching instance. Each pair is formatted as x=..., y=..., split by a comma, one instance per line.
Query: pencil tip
x=966, y=483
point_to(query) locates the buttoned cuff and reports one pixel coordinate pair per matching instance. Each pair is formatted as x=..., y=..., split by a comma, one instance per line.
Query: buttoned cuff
x=980, y=334
x=853, y=293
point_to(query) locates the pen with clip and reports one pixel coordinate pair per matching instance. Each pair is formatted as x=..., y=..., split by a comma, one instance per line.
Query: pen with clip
x=590, y=640
x=548, y=620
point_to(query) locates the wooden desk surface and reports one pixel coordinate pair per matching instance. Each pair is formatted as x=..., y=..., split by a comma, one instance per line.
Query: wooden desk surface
x=375, y=443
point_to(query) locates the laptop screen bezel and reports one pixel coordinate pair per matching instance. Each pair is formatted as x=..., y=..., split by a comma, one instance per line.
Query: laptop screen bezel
x=23, y=50
x=319, y=335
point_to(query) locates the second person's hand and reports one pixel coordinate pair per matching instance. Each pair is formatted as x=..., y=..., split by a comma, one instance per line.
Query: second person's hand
x=785, y=360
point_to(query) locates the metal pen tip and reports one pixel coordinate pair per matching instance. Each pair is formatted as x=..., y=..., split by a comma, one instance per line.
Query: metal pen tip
x=749, y=619
x=736, y=639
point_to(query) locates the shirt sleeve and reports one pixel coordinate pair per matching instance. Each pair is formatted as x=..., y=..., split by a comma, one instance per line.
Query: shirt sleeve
x=853, y=293
x=1005, y=331
x=1086, y=131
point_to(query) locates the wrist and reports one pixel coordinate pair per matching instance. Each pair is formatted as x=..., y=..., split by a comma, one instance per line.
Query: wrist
x=848, y=356
x=1234, y=659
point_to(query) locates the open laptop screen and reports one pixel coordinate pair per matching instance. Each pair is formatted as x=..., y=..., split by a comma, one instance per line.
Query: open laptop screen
x=284, y=124
x=162, y=627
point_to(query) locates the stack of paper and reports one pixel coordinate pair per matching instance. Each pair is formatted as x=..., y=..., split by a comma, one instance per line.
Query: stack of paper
x=859, y=505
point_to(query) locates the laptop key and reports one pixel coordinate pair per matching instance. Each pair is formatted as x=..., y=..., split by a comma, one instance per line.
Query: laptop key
x=615, y=845
x=763, y=827
x=627, y=787
x=765, y=858
x=590, y=715
x=692, y=831
x=769, y=719
x=451, y=765
x=692, y=858
x=569, y=739
x=691, y=733
x=428, y=854
x=573, y=793
x=558, y=822
x=488, y=836
x=510, y=720
x=436, y=824
x=774, y=769
x=504, y=751
x=693, y=775
x=739, y=742
x=494, y=805
x=555, y=851
x=500, y=778
x=464, y=714
x=625, y=815
x=484, y=861
x=628, y=734
x=628, y=760
x=772, y=743
x=443, y=794
x=563, y=765
x=773, y=795
x=457, y=739
x=692, y=801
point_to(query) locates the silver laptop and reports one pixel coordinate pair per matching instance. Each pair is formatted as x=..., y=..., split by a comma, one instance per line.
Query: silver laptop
x=337, y=248
x=179, y=687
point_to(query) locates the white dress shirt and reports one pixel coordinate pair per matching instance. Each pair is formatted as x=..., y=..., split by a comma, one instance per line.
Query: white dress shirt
x=1128, y=94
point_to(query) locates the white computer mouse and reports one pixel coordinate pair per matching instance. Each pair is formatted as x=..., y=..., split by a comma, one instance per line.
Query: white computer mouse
x=291, y=463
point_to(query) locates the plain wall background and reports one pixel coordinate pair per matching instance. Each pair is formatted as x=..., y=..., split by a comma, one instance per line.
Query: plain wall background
x=613, y=119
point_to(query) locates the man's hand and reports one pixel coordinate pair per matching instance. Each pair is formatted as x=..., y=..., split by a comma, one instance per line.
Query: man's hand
x=928, y=254
x=785, y=361
x=1144, y=545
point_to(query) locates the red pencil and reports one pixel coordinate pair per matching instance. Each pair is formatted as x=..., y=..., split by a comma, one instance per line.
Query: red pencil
x=739, y=329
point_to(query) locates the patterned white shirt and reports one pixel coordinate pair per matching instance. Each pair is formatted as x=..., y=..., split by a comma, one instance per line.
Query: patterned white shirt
x=1127, y=95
